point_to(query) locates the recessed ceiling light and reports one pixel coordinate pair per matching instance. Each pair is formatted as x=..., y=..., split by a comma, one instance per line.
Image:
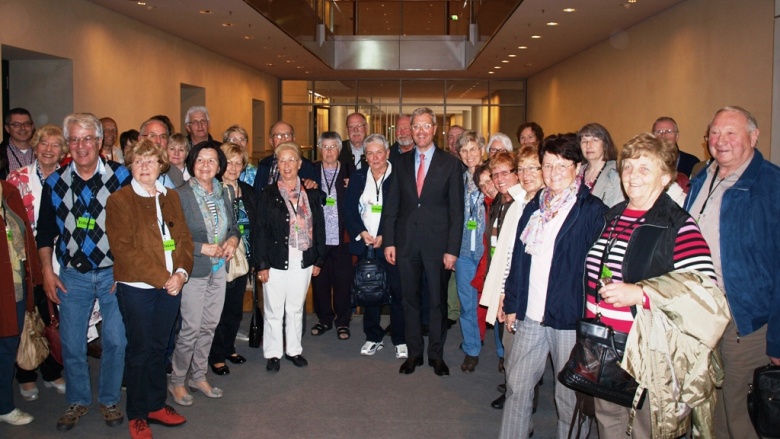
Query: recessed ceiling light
x=512, y=55
x=248, y=37
x=569, y=10
x=504, y=61
x=227, y=24
x=269, y=64
x=497, y=67
x=205, y=11
x=490, y=73
x=522, y=47
x=141, y=3
x=552, y=23
x=536, y=37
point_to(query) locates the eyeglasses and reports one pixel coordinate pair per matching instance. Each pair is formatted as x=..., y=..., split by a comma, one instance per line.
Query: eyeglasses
x=470, y=150
x=356, y=127
x=282, y=136
x=290, y=161
x=500, y=174
x=664, y=132
x=529, y=169
x=422, y=127
x=148, y=163
x=17, y=125
x=237, y=139
x=328, y=147
x=87, y=140
x=485, y=184
x=560, y=167
x=153, y=136
x=198, y=122
x=588, y=140
x=496, y=150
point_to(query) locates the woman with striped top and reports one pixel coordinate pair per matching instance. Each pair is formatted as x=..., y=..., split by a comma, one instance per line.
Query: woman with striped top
x=646, y=236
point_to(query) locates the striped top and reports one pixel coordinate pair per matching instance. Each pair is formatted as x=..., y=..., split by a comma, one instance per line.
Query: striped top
x=690, y=252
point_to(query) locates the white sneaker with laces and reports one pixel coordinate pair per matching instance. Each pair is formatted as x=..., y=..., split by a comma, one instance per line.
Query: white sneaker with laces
x=17, y=417
x=401, y=351
x=370, y=347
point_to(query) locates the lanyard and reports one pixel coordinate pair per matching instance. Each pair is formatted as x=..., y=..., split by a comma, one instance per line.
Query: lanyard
x=472, y=200
x=329, y=184
x=713, y=186
x=379, y=186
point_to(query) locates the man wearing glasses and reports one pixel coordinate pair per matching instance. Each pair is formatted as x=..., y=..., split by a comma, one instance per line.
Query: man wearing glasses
x=423, y=221
x=268, y=169
x=16, y=153
x=353, y=152
x=197, y=125
x=666, y=128
x=73, y=217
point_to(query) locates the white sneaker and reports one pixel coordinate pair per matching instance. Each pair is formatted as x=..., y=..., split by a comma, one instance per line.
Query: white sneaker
x=60, y=388
x=17, y=417
x=401, y=351
x=370, y=347
x=29, y=395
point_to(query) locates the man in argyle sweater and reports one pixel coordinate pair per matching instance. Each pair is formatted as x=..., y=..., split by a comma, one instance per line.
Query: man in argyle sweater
x=72, y=215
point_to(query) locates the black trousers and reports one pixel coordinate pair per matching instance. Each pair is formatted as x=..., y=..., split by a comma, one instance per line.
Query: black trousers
x=224, y=344
x=331, y=288
x=411, y=268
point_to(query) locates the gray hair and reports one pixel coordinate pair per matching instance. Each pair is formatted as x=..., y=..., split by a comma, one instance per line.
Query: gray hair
x=424, y=110
x=503, y=138
x=469, y=136
x=377, y=138
x=752, y=124
x=329, y=135
x=195, y=109
x=88, y=121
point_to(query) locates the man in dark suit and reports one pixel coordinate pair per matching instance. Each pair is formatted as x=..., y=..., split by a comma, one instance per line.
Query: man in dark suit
x=353, y=153
x=422, y=222
x=666, y=128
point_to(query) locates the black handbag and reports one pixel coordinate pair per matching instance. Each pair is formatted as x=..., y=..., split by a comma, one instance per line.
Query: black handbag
x=256, y=323
x=370, y=286
x=763, y=401
x=594, y=364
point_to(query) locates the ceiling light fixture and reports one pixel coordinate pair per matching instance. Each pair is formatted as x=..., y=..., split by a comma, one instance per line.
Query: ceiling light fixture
x=490, y=73
x=227, y=24
x=248, y=37
x=141, y=3
x=497, y=67
x=552, y=23
x=536, y=37
x=205, y=11
x=522, y=47
x=512, y=55
x=569, y=10
x=505, y=61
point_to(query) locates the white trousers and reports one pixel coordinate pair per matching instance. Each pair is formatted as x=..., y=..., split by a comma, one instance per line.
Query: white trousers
x=284, y=296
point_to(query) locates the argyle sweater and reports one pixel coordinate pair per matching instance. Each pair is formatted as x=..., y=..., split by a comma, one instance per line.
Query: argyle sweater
x=75, y=211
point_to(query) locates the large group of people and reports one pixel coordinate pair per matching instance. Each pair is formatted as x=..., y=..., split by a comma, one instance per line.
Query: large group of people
x=162, y=232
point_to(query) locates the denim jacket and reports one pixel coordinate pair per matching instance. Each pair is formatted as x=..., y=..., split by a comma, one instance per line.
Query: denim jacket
x=750, y=248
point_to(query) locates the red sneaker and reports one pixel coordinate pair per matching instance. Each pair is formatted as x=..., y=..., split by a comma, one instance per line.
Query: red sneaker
x=139, y=429
x=166, y=416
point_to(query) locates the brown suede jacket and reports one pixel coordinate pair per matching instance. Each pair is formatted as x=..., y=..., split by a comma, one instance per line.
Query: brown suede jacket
x=135, y=239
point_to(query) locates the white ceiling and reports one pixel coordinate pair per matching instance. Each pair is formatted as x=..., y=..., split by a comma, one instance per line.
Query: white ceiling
x=256, y=42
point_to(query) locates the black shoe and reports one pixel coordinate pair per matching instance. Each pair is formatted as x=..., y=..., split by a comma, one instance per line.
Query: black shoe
x=439, y=367
x=469, y=363
x=451, y=323
x=501, y=368
x=425, y=330
x=498, y=403
x=501, y=388
x=221, y=370
x=272, y=365
x=236, y=359
x=297, y=360
x=410, y=364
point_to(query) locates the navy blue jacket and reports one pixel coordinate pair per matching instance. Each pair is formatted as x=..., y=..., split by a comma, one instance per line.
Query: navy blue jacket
x=352, y=217
x=750, y=248
x=565, y=289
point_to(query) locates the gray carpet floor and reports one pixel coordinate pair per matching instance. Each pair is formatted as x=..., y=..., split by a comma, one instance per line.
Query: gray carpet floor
x=341, y=394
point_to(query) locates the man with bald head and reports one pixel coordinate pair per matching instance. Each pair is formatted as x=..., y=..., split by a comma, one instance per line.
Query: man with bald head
x=156, y=130
x=111, y=149
x=735, y=202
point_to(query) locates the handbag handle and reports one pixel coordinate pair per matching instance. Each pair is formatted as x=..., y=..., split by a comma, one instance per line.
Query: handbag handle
x=52, y=319
x=370, y=254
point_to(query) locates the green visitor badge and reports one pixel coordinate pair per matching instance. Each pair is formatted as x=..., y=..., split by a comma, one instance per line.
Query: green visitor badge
x=330, y=201
x=85, y=223
x=471, y=225
x=605, y=272
x=9, y=233
x=241, y=228
x=169, y=245
x=492, y=250
x=376, y=208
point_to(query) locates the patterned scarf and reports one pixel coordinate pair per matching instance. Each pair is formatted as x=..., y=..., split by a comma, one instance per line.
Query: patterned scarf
x=217, y=224
x=301, y=223
x=548, y=208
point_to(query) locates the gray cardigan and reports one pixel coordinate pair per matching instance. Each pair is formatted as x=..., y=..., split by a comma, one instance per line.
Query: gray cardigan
x=608, y=187
x=200, y=236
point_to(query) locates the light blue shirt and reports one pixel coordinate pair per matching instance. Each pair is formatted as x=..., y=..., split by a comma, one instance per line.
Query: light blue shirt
x=428, y=157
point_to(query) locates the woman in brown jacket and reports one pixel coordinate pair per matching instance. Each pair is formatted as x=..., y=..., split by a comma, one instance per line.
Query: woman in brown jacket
x=16, y=282
x=153, y=254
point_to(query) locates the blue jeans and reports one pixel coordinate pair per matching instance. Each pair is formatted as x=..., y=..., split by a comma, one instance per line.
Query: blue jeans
x=8, y=348
x=465, y=269
x=75, y=309
x=149, y=315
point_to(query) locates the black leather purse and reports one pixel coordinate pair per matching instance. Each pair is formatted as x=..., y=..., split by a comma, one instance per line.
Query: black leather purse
x=764, y=401
x=370, y=286
x=256, y=323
